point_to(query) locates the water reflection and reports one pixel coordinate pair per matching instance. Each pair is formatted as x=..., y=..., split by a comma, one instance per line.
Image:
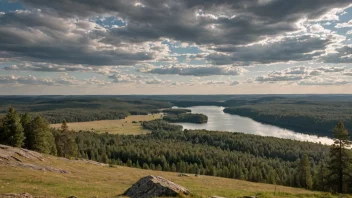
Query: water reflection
x=220, y=121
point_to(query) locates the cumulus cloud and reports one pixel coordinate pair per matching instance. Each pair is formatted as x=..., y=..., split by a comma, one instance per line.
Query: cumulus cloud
x=198, y=70
x=46, y=67
x=344, y=25
x=154, y=81
x=342, y=55
x=317, y=28
x=323, y=81
x=37, y=36
x=32, y=80
x=287, y=49
x=306, y=75
x=72, y=36
x=62, y=33
x=348, y=72
x=127, y=78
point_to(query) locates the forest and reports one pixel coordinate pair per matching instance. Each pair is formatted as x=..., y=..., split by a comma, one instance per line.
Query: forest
x=81, y=108
x=187, y=117
x=312, y=118
x=311, y=114
x=169, y=148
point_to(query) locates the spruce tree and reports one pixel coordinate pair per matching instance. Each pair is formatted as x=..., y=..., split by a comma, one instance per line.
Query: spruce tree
x=305, y=173
x=339, y=159
x=11, y=130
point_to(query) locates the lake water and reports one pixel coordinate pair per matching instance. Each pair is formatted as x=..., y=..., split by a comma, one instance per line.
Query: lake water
x=220, y=121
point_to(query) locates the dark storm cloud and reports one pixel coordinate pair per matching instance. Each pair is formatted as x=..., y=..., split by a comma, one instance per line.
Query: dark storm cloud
x=343, y=55
x=61, y=32
x=295, y=48
x=234, y=22
x=57, y=41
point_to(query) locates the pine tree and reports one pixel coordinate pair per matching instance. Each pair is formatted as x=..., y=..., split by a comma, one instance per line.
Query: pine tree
x=339, y=158
x=65, y=142
x=26, y=124
x=40, y=137
x=11, y=130
x=305, y=173
x=64, y=126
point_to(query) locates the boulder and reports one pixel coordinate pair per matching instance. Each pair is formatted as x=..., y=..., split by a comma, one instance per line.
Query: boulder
x=155, y=186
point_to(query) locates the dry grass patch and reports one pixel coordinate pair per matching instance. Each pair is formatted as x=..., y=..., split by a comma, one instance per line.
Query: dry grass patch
x=123, y=126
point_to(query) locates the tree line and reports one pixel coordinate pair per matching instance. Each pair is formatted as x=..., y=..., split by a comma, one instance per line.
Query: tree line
x=169, y=148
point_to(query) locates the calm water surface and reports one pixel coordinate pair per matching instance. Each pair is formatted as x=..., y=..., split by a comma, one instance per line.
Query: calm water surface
x=220, y=121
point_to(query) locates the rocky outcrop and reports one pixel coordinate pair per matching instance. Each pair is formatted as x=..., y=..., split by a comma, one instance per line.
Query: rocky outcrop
x=12, y=156
x=155, y=186
x=12, y=195
x=8, y=153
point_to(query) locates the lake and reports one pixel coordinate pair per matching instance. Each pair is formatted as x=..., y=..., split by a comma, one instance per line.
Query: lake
x=220, y=121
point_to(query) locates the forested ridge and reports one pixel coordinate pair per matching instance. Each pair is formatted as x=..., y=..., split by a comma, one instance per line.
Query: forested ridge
x=81, y=108
x=317, y=119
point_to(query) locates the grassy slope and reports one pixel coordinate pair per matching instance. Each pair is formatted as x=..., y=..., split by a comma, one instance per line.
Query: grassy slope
x=88, y=180
x=123, y=126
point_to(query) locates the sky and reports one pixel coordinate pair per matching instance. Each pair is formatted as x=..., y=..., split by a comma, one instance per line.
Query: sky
x=78, y=47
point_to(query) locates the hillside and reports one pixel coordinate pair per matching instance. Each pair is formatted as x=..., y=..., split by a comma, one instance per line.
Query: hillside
x=18, y=174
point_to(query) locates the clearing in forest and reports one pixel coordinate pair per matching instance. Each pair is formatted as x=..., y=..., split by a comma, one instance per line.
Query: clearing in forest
x=130, y=125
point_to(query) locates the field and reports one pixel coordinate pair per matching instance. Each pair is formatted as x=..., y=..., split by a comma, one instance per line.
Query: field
x=123, y=126
x=105, y=181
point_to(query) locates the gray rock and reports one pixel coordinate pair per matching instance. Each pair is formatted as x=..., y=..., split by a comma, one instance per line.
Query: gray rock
x=12, y=195
x=16, y=157
x=155, y=186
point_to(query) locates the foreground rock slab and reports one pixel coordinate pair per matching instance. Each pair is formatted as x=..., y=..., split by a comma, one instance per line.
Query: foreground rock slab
x=12, y=156
x=12, y=195
x=155, y=186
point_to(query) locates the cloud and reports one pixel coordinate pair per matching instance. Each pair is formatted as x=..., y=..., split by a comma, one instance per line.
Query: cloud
x=38, y=37
x=331, y=69
x=127, y=78
x=300, y=48
x=344, y=25
x=301, y=74
x=47, y=67
x=342, y=55
x=317, y=28
x=323, y=81
x=202, y=22
x=235, y=83
x=154, y=81
x=348, y=72
x=32, y=80
x=198, y=70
